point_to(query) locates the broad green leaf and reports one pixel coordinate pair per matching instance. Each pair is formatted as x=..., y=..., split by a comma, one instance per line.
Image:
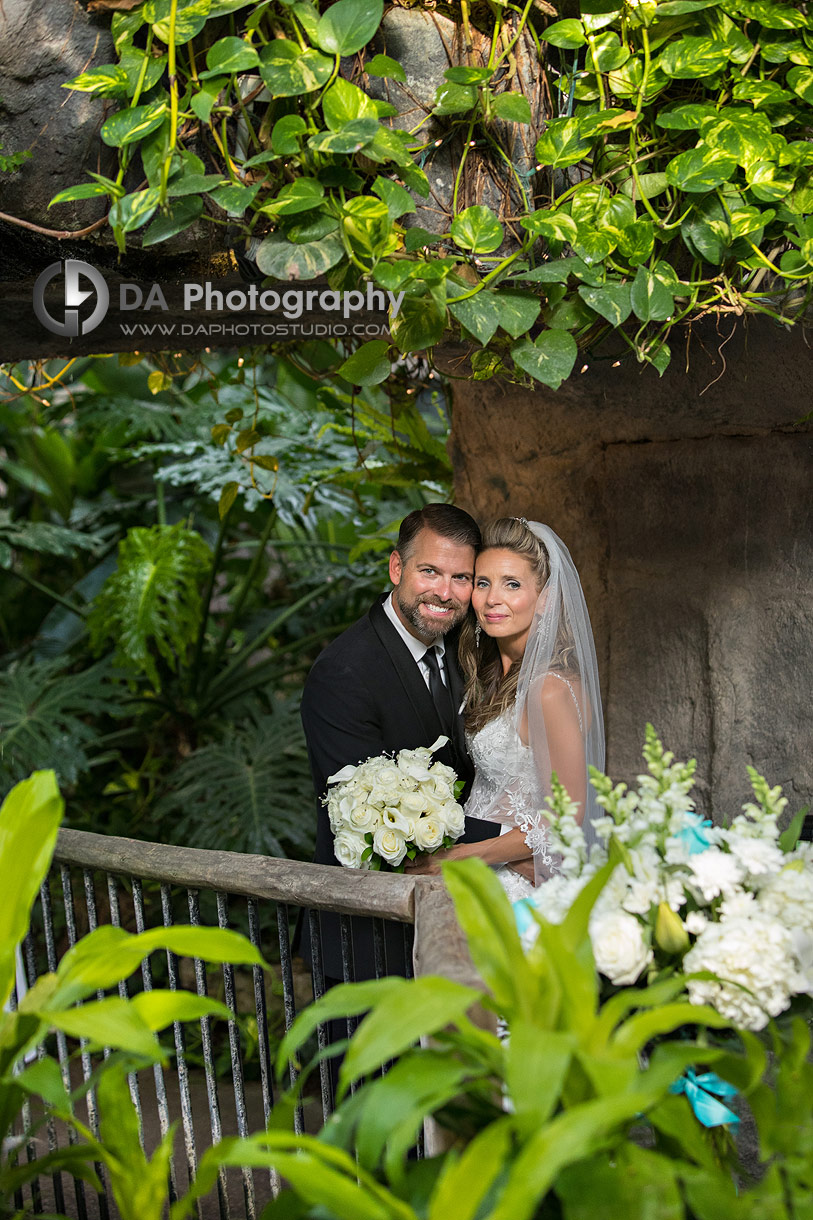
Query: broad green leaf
x=693, y=56
x=227, y=497
x=768, y=182
x=399, y=1020
x=790, y=835
x=234, y=199
x=511, y=108
x=133, y=211
x=772, y=15
x=706, y=230
x=553, y=226
x=352, y=137
x=111, y=1022
x=648, y=185
x=417, y=238
x=760, y=93
x=109, y=80
x=84, y=190
x=192, y=184
x=29, y=820
x=344, y=102
x=370, y=365
x=537, y=1064
x=159, y=1008
x=367, y=226
x=348, y=25
x=464, y=75
x=179, y=216
x=631, y=1182
x=637, y=241
x=593, y=245
x=143, y=68
x=455, y=99
x=801, y=82
x=477, y=229
x=562, y=144
x=288, y=71
x=396, y=197
x=480, y=314
x=743, y=135
x=612, y=301
x=128, y=126
x=384, y=66
x=687, y=117
x=43, y=1078
x=203, y=101
x=302, y=195
x=651, y=300
x=549, y=359
x=421, y=320
x=285, y=133
x=643, y=1027
x=190, y=18
x=344, y=1000
x=464, y=1182
x=568, y=33
x=229, y=55
x=610, y=53
x=700, y=169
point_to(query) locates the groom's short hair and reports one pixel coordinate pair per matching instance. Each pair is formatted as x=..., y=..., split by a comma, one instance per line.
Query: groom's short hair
x=447, y=520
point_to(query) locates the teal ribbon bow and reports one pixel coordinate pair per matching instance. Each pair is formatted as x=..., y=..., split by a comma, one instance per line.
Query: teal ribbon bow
x=695, y=835
x=698, y=1089
x=522, y=914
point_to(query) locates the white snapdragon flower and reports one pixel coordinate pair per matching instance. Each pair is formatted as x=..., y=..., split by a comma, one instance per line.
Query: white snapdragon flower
x=753, y=952
x=390, y=844
x=429, y=832
x=348, y=847
x=619, y=947
x=713, y=872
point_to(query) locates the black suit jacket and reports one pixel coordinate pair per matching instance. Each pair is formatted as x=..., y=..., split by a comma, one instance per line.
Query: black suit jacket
x=365, y=696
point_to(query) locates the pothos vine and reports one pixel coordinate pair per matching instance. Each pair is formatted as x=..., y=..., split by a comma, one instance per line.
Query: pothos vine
x=670, y=173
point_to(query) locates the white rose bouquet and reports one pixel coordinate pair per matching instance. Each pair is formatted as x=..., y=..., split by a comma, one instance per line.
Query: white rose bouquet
x=387, y=810
x=733, y=904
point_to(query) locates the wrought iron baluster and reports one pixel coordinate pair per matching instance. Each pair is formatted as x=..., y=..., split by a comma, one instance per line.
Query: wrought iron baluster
x=236, y=1061
x=288, y=998
x=261, y=1011
x=50, y=1126
x=187, y=1121
x=322, y=1031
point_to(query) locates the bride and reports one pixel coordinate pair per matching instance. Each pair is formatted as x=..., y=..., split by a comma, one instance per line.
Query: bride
x=532, y=703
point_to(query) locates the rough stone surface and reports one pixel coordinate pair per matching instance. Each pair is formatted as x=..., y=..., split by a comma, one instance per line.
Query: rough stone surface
x=42, y=44
x=686, y=504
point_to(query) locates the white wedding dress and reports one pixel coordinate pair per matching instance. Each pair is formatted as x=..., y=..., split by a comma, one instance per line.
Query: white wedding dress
x=505, y=776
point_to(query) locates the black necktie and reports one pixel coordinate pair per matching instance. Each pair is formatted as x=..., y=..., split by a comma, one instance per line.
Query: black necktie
x=438, y=691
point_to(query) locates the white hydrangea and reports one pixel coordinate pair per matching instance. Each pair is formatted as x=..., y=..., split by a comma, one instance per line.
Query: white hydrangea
x=755, y=965
x=758, y=857
x=788, y=896
x=713, y=872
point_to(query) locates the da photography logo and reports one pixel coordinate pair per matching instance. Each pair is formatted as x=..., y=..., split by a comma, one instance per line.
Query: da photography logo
x=74, y=296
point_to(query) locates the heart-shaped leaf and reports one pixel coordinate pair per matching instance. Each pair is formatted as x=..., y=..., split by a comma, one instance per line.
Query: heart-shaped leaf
x=549, y=359
x=477, y=229
x=348, y=25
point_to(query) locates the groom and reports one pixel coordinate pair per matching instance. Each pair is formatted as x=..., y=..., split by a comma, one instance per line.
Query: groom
x=391, y=682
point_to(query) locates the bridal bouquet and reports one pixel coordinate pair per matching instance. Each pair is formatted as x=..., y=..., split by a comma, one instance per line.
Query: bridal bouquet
x=733, y=902
x=388, y=809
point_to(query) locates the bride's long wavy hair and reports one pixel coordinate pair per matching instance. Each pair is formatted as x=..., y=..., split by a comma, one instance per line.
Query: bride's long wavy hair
x=489, y=692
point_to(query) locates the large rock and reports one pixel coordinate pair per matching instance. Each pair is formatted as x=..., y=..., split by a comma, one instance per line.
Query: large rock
x=686, y=504
x=42, y=44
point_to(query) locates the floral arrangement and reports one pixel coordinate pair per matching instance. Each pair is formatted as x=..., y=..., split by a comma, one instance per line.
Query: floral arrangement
x=387, y=810
x=732, y=907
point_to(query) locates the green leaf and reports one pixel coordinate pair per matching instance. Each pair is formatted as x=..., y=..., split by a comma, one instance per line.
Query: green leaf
x=511, y=108
x=637, y=241
x=109, y=80
x=549, y=359
x=138, y=66
x=111, y=1022
x=801, y=82
x=455, y=99
x=160, y=1007
x=190, y=18
x=348, y=25
x=367, y=225
x=568, y=34
x=352, y=137
x=229, y=55
x=562, y=144
x=234, y=199
x=612, y=301
x=706, y=230
x=687, y=117
x=286, y=260
x=772, y=15
x=479, y=314
x=302, y=195
x=227, y=497
x=693, y=56
x=29, y=820
x=370, y=365
x=700, y=169
x=133, y=211
x=399, y=1019
x=593, y=245
x=128, y=126
x=477, y=229
x=792, y=832
x=553, y=226
x=344, y=102
x=651, y=300
x=465, y=1181
x=417, y=238
x=84, y=190
x=288, y=71
x=179, y=216
x=396, y=197
x=768, y=182
x=382, y=65
x=203, y=101
x=285, y=133
x=421, y=321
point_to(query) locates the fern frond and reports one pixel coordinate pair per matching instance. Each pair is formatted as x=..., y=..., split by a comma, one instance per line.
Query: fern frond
x=42, y=725
x=251, y=792
x=47, y=539
x=151, y=603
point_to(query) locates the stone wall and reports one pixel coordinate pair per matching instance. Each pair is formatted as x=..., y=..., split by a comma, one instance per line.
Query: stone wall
x=686, y=503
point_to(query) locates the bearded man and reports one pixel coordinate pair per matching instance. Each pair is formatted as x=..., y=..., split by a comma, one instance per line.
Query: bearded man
x=391, y=682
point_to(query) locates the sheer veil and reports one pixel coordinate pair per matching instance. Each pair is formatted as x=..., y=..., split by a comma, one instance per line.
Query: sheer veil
x=560, y=643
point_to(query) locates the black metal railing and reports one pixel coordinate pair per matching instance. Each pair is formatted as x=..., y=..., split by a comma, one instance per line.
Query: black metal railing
x=96, y=879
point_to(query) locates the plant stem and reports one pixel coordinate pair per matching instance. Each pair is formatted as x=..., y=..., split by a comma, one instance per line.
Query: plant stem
x=248, y=580
x=207, y=597
x=80, y=611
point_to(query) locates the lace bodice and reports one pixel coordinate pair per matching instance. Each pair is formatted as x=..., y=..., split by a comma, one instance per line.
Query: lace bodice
x=506, y=781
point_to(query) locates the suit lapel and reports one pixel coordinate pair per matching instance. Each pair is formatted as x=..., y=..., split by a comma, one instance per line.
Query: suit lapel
x=455, y=680
x=408, y=672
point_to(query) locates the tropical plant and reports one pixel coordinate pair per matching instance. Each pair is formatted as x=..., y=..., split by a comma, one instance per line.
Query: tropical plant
x=652, y=157
x=67, y=1001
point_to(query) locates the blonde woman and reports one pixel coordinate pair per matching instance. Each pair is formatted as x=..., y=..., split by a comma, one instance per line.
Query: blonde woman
x=532, y=702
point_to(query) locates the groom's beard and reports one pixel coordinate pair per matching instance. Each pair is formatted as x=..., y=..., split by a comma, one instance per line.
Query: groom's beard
x=425, y=625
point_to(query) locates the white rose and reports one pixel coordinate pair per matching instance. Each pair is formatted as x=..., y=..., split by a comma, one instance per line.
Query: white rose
x=363, y=817
x=437, y=789
x=429, y=833
x=619, y=947
x=348, y=847
x=390, y=844
x=439, y=770
x=455, y=820
x=413, y=804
